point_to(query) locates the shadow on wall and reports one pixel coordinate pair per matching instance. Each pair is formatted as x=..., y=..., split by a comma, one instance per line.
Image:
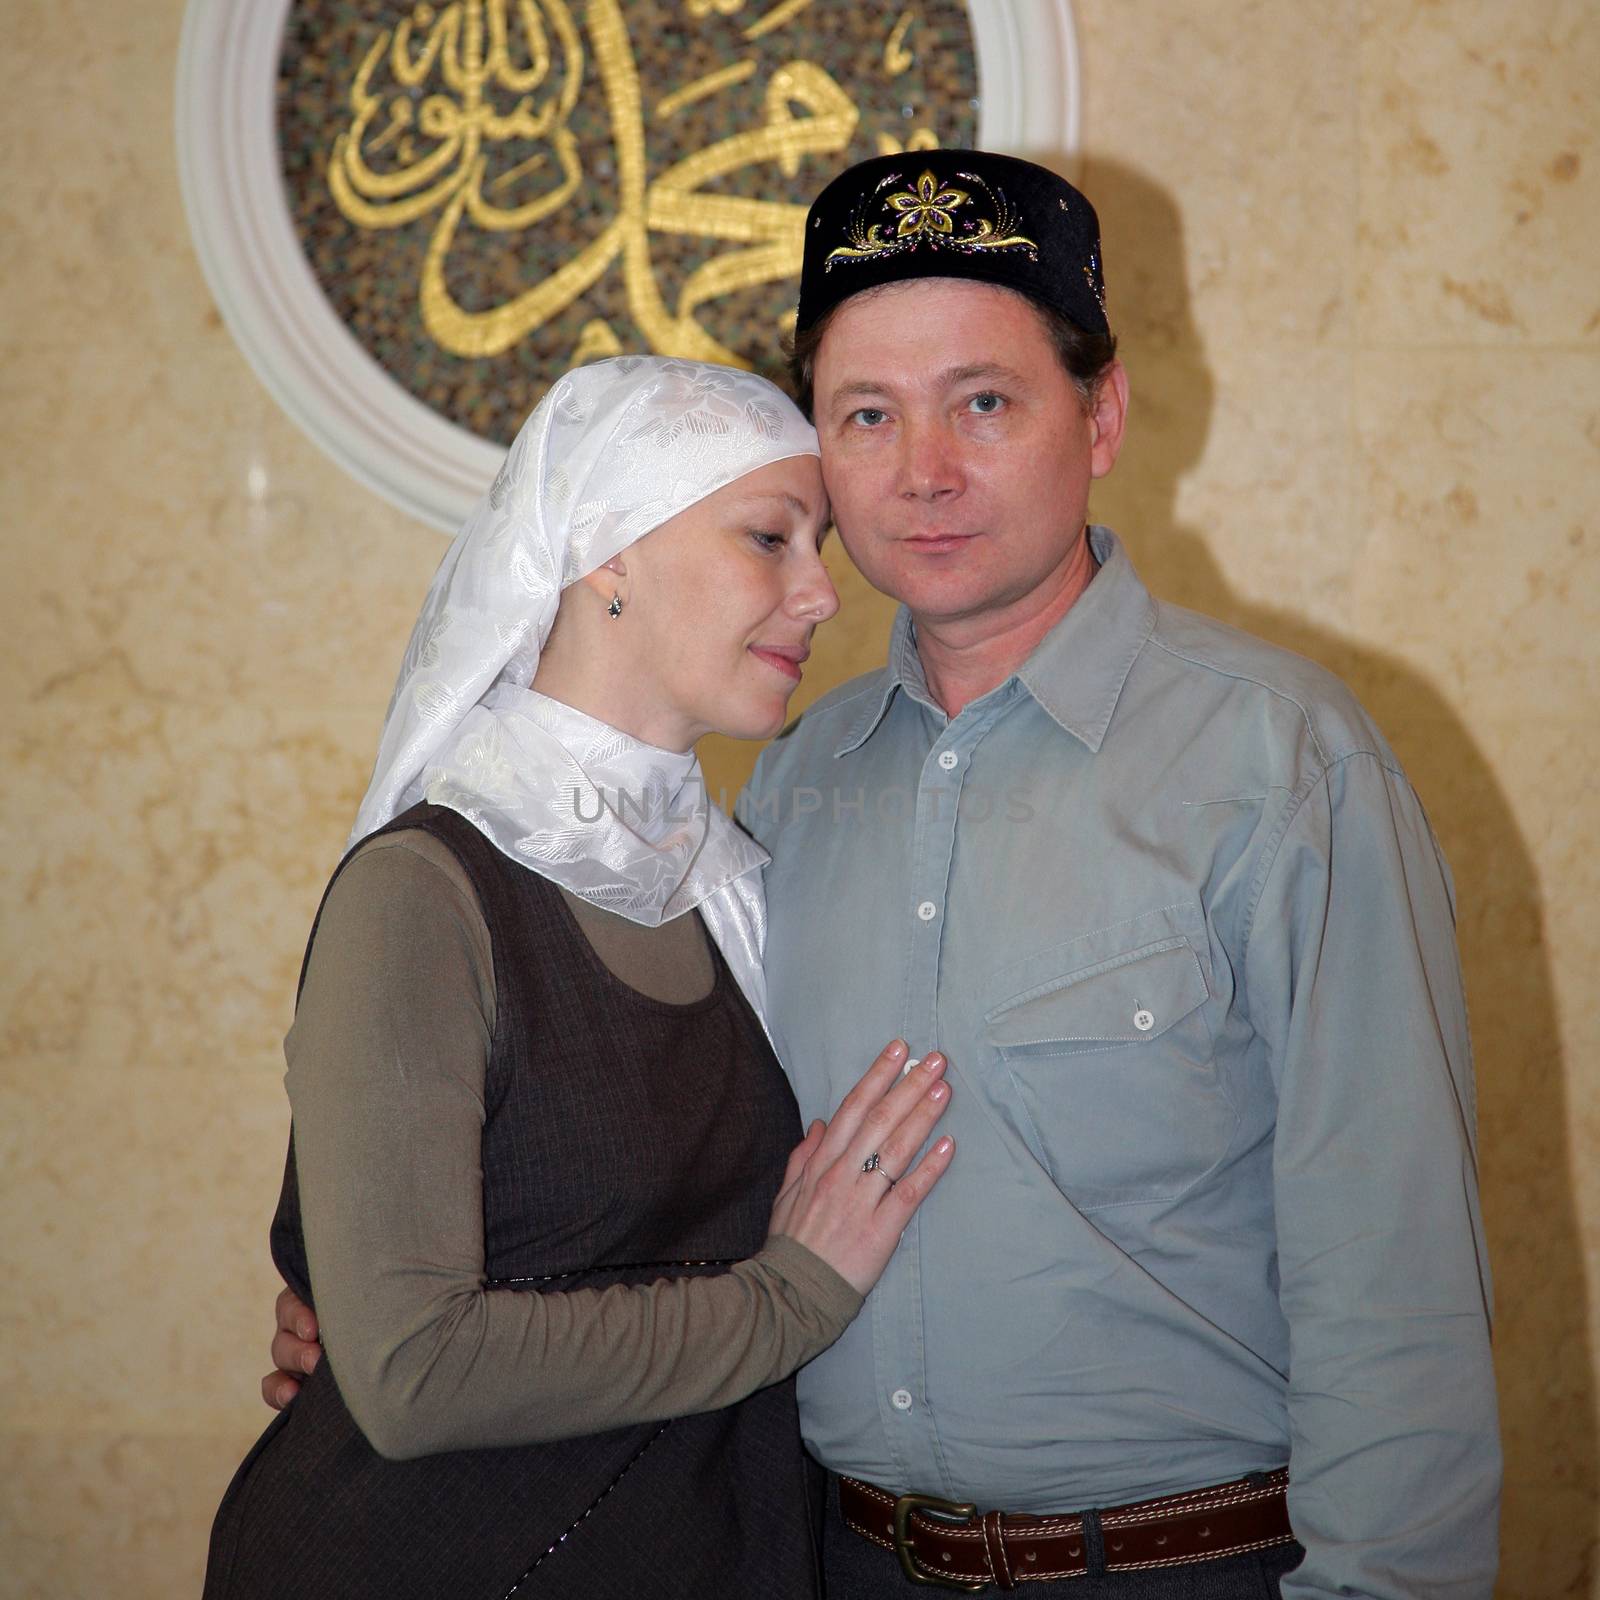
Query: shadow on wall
x=1543, y=1351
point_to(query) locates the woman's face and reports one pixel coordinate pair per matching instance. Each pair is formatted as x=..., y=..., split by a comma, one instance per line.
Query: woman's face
x=721, y=603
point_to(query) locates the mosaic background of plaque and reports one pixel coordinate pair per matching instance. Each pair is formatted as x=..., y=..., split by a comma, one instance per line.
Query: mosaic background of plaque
x=490, y=190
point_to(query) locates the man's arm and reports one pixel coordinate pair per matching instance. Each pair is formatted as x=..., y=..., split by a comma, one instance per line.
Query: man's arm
x=1351, y=977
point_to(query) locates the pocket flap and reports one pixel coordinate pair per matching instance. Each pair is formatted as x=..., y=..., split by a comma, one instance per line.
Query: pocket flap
x=1126, y=999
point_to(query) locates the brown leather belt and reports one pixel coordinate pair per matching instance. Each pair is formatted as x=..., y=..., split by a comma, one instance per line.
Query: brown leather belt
x=948, y=1544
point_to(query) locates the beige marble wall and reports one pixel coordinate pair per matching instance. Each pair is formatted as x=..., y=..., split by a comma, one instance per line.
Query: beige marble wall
x=1352, y=250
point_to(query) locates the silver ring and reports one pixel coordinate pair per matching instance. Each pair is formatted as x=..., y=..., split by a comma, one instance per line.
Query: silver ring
x=873, y=1164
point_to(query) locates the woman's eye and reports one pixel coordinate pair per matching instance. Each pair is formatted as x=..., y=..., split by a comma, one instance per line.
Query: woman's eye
x=986, y=405
x=867, y=416
x=768, y=541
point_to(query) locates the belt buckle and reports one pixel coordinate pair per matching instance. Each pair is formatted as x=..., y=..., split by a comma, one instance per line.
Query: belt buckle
x=955, y=1511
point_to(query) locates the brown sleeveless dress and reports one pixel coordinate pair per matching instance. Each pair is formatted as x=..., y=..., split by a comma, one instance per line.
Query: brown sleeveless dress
x=625, y=1140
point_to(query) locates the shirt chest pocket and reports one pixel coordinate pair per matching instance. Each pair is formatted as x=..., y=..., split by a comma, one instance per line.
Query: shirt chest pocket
x=1113, y=1069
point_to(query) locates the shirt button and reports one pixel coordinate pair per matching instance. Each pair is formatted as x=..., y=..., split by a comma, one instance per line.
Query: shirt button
x=1143, y=1020
x=901, y=1399
x=949, y=760
x=927, y=911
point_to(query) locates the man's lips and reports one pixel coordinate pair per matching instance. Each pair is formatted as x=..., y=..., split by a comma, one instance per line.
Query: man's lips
x=784, y=658
x=935, y=544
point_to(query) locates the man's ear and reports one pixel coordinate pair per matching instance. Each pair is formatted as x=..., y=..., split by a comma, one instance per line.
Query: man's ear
x=1108, y=418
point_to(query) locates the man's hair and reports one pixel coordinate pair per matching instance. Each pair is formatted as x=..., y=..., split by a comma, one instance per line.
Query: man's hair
x=1084, y=357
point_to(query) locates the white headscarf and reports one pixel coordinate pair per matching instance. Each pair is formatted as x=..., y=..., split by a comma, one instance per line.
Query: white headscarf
x=613, y=450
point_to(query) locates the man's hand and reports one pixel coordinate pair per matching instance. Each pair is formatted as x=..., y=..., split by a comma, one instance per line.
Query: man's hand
x=295, y=1350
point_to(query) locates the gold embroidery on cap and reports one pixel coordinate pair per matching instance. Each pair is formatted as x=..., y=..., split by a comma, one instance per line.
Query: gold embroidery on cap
x=926, y=212
x=929, y=207
x=1092, y=272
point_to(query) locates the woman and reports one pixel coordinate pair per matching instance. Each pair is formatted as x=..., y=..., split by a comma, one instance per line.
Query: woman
x=538, y=1184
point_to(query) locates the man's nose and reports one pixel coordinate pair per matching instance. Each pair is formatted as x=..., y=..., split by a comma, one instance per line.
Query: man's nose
x=930, y=462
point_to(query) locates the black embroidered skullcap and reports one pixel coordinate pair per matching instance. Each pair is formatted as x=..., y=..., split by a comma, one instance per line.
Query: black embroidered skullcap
x=954, y=214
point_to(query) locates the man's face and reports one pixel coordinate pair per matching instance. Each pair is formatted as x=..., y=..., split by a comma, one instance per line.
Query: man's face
x=957, y=452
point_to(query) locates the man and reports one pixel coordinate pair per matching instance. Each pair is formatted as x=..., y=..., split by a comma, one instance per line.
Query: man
x=1163, y=897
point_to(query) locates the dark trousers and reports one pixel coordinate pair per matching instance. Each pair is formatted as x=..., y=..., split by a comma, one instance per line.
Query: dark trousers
x=857, y=1569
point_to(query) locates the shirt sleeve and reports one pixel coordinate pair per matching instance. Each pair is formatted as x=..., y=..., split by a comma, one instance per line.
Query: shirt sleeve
x=387, y=1062
x=1352, y=979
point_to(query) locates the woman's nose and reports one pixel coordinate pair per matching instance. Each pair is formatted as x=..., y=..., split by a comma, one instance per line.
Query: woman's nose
x=813, y=596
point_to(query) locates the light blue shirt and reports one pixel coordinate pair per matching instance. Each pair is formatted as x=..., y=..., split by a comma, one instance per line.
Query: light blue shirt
x=1170, y=907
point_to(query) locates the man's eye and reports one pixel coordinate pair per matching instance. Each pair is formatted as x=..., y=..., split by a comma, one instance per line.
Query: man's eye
x=867, y=416
x=987, y=404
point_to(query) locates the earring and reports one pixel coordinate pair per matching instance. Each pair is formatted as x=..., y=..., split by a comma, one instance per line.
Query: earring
x=615, y=608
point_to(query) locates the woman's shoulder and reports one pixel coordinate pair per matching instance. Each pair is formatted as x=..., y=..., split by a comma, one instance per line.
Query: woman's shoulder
x=407, y=860
x=430, y=845
x=404, y=890
x=402, y=906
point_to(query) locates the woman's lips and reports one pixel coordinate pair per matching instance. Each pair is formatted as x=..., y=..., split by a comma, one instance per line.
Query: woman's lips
x=786, y=659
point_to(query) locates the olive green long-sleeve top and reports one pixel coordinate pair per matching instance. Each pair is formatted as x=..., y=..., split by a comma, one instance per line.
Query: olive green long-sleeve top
x=387, y=1061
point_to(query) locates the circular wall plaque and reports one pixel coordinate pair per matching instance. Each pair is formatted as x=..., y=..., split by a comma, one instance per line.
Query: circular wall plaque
x=413, y=216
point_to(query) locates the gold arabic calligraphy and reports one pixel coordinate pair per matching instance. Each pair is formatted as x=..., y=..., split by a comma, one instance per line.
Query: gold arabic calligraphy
x=476, y=79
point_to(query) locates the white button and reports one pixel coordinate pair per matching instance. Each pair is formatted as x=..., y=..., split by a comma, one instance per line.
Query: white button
x=1143, y=1021
x=949, y=760
x=901, y=1399
x=927, y=911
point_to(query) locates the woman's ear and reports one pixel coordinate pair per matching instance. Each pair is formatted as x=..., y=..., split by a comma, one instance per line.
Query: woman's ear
x=608, y=580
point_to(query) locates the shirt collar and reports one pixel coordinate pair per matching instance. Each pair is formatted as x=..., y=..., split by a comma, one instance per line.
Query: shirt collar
x=904, y=671
x=1075, y=674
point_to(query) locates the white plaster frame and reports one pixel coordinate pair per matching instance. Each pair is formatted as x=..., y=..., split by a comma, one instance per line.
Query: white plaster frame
x=1029, y=101
x=239, y=217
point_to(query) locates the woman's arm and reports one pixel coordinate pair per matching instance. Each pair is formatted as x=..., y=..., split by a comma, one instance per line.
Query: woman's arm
x=387, y=1061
